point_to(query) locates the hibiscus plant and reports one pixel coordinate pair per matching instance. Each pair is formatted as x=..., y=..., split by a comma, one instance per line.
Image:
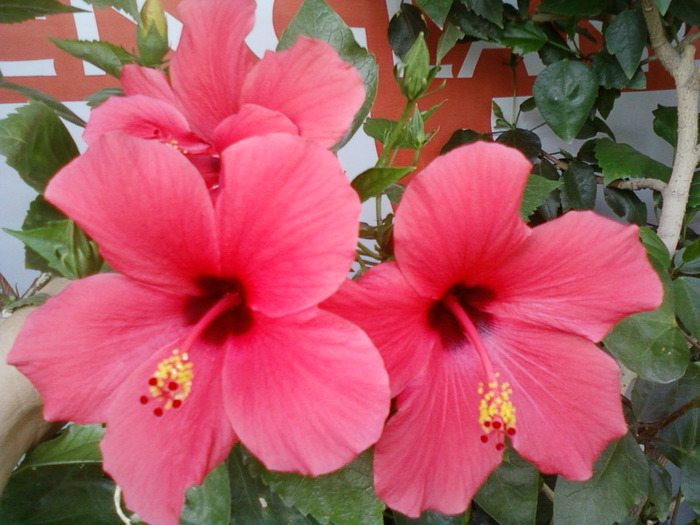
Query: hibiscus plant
x=236, y=346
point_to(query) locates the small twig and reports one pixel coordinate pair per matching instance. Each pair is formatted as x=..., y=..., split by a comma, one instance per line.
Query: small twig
x=676, y=507
x=558, y=163
x=639, y=184
x=118, y=506
x=653, y=427
x=37, y=285
x=547, y=491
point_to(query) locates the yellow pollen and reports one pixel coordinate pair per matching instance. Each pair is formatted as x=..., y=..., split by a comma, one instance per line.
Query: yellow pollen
x=171, y=382
x=496, y=410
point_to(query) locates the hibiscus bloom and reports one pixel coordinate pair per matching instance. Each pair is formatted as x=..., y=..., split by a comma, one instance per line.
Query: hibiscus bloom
x=217, y=95
x=211, y=334
x=487, y=329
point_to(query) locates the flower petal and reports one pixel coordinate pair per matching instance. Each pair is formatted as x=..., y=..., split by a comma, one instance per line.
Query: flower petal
x=459, y=219
x=566, y=393
x=320, y=92
x=138, y=80
x=394, y=316
x=208, y=69
x=306, y=392
x=155, y=459
x=580, y=273
x=285, y=205
x=146, y=206
x=430, y=455
x=146, y=118
x=251, y=121
x=79, y=347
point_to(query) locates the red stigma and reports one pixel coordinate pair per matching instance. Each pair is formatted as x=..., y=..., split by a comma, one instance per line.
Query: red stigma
x=143, y=400
x=153, y=381
x=172, y=385
x=510, y=432
x=177, y=403
x=496, y=425
x=484, y=439
x=500, y=446
x=158, y=412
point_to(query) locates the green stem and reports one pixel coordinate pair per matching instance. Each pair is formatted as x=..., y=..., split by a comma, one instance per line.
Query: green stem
x=393, y=136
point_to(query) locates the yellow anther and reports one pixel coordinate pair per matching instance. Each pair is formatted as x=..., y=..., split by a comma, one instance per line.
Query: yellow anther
x=172, y=381
x=496, y=410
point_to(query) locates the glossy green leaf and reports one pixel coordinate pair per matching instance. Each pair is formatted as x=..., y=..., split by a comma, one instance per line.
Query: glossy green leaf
x=626, y=38
x=404, y=28
x=621, y=161
x=666, y=123
x=662, y=6
x=449, y=37
x=373, y=182
x=98, y=97
x=653, y=401
x=690, y=478
x=252, y=502
x=59, y=495
x=655, y=247
x=680, y=437
x=317, y=20
x=565, y=93
x=687, y=295
x=687, y=259
x=650, y=343
x=344, y=497
x=573, y=7
x=524, y=140
x=536, y=191
x=65, y=247
x=474, y=25
x=36, y=143
x=510, y=493
x=108, y=57
x=620, y=480
x=12, y=11
x=488, y=9
x=77, y=444
x=660, y=489
x=523, y=36
x=606, y=101
x=626, y=204
x=128, y=6
x=686, y=10
x=580, y=186
x=209, y=502
x=436, y=10
x=462, y=137
x=34, y=94
x=608, y=71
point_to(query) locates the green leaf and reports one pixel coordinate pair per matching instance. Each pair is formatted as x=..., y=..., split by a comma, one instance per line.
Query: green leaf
x=58, y=107
x=686, y=10
x=662, y=6
x=573, y=7
x=77, y=444
x=436, y=10
x=626, y=204
x=12, y=11
x=655, y=247
x=526, y=141
x=565, y=93
x=681, y=437
x=690, y=478
x=404, y=28
x=98, y=97
x=474, y=25
x=32, y=300
x=488, y=9
x=666, y=123
x=523, y=36
x=252, y=501
x=430, y=517
x=510, y=493
x=108, y=57
x=128, y=6
x=345, y=497
x=650, y=343
x=373, y=182
x=152, y=33
x=36, y=143
x=687, y=259
x=580, y=186
x=317, y=20
x=652, y=401
x=659, y=489
x=620, y=480
x=626, y=38
x=209, y=502
x=687, y=295
x=59, y=495
x=416, y=70
x=462, y=137
x=620, y=161
x=449, y=37
x=65, y=247
x=536, y=191
x=606, y=100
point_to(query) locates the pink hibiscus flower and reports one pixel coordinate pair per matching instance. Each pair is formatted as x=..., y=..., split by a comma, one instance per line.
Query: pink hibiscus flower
x=487, y=329
x=217, y=95
x=212, y=333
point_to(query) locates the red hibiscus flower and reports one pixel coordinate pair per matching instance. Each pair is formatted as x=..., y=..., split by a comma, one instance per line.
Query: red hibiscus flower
x=211, y=334
x=487, y=328
x=217, y=95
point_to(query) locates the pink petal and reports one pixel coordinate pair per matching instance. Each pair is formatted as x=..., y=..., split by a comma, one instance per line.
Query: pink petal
x=79, y=347
x=251, y=121
x=156, y=459
x=430, y=455
x=566, y=394
x=146, y=206
x=138, y=80
x=306, y=392
x=394, y=316
x=146, y=118
x=212, y=60
x=458, y=219
x=580, y=273
x=287, y=219
x=320, y=92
